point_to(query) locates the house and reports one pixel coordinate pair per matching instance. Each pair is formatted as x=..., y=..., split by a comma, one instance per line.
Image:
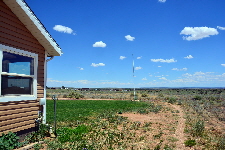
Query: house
x=25, y=49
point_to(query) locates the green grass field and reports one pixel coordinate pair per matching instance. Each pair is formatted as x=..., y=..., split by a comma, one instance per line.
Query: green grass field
x=72, y=110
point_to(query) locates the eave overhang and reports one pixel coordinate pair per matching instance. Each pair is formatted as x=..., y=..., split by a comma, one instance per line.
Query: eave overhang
x=32, y=23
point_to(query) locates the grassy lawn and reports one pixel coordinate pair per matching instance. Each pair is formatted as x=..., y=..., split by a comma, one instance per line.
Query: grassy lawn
x=72, y=110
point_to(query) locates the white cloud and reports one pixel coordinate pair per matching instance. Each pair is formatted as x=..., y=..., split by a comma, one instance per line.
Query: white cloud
x=197, y=79
x=144, y=78
x=163, y=78
x=99, y=44
x=138, y=68
x=162, y=1
x=97, y=65
x=129, y=38
x=189, y=57
x=223, y=65
x=159, y=66
x=164, y=60
x=197, y=33
x=63, y=29
x=139, y=57
x=221, y=28
x=183, y=69
x=122, y=57
x=81, y=68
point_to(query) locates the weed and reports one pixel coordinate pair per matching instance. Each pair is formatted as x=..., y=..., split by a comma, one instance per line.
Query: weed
x=197, y=97
x=167, y=147
x=172, y=139
x=190, y=143
x=172, y=100
x=158, y=136
x=9, y=141
x=198, y=128
x=221, y=143
x=158, y=146
x=38, y=146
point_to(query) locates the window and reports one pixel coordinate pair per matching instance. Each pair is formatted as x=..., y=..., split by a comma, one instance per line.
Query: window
x=18, y=74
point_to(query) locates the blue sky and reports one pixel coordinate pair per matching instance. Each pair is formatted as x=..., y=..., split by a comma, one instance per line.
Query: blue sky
x=174, y=43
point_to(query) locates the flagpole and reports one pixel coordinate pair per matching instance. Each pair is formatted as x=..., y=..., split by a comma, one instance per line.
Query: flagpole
x=133, y=76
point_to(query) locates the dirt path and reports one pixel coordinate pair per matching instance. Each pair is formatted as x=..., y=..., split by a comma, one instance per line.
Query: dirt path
x=180, y=128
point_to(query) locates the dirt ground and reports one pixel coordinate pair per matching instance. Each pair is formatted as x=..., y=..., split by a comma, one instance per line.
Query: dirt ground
x=170, y=123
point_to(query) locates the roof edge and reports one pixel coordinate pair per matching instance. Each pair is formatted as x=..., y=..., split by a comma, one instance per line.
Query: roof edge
x=40, y=27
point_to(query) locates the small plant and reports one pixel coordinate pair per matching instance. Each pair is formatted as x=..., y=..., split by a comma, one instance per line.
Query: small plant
x=75, y=95
x=38, y=135
x=38, y=146
x=158, y=146
x=144, y=95
x=197, y=97
x=9, y=141
x=167, y=147
x=172, y=100
x=198, y=128
x=221, y=143
x=190, y=143
x=158, y=136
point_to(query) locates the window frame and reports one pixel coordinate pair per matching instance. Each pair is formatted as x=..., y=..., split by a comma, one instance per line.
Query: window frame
x=16, y=97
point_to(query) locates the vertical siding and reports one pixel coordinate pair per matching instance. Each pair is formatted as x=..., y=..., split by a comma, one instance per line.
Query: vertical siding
x=16, y=116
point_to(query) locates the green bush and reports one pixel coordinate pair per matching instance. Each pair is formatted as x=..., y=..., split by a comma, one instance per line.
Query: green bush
x=144, y=95
x=197, y=97
x=172, y=100
x=198, y=128
x=75, y=95
x=9, y=141
x=190, y=143
x=221, y=143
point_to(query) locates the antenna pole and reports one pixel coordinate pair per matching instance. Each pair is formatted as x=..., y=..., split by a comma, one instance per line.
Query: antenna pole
x=133, y=76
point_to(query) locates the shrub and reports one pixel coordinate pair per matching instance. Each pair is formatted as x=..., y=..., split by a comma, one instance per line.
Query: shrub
x=197, y=97
x=221, y=143
x=48, y=95
x=9, y=141
x=144, y=95
x=190, y=143
x=75, y=95
x=198, y=128
x=64, y=95
x=172, y=100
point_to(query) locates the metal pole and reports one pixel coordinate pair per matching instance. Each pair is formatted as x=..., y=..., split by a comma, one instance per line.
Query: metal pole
x=54, y=98
x=133, y=76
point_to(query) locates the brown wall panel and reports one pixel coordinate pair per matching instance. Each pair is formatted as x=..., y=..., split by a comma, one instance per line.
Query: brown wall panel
x=12, y=121
x=14, y=125
x=16, y=129
x=19, y=110
x=17, y=116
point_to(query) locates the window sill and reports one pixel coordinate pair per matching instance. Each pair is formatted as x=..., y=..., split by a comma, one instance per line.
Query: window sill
x=8, y=98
